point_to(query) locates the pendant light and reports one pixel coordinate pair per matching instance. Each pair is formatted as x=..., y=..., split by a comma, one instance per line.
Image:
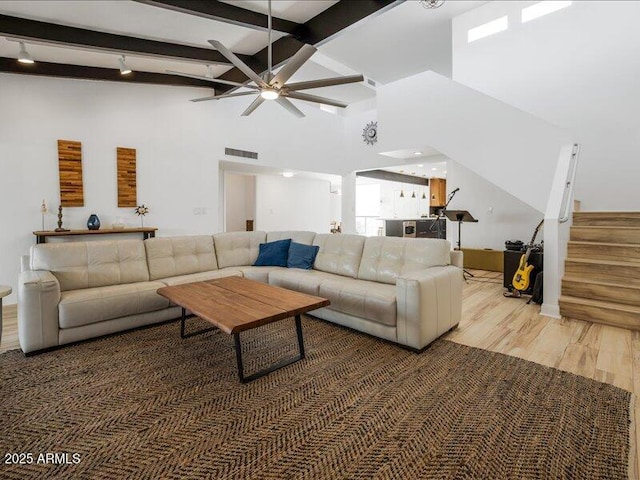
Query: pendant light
x=413, y=195
x=424, y=197
x=401, y=193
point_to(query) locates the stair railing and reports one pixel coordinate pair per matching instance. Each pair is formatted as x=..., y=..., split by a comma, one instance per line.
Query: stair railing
x=565, y=206
x=557, y=227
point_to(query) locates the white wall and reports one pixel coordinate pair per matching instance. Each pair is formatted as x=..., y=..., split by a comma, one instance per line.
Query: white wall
x=157, y=121
x=500, y=215
x=495, y=140
x=576, y=68
x=292, y=204
x=179, y=145
x=240, y=201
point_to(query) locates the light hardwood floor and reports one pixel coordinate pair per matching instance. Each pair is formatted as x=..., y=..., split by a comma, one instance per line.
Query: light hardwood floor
x=510, y=326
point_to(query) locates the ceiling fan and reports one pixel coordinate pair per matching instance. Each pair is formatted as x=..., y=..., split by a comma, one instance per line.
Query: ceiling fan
x=275, y=87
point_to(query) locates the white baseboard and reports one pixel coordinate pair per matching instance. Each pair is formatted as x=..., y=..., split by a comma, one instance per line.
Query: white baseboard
x=552, y=311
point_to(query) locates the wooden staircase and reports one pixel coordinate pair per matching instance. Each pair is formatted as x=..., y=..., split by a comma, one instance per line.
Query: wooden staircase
x=602, y=272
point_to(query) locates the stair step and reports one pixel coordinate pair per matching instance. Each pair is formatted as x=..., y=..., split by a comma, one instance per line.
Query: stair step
x=607, y=271
x=607, y=219
x=625, y=316
x=626, y=235
x=620, y=252
x=602, y=291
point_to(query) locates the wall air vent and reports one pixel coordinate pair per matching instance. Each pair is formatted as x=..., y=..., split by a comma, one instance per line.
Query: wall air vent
x=371, y=82
x=234, y=152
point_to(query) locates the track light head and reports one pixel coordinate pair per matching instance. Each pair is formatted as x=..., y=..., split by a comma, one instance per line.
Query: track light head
x=23, y=55
x=124, y=69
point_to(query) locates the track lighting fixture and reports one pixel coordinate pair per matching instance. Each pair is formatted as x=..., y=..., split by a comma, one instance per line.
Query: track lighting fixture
x=23, y=55
x=124, y=69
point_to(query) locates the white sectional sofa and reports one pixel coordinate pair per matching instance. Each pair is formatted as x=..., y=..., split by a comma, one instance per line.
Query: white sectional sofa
x=408, y=291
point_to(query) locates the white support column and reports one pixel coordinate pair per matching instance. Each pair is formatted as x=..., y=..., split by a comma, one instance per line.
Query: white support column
x=349, y=203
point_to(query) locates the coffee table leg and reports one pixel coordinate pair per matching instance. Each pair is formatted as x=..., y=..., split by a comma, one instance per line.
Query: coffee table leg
x=300, y=339
x=275, y=366
x=236, y=339
x=183, y=323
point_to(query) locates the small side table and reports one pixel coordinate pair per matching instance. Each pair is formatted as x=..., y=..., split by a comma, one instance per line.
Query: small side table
x=4, y=291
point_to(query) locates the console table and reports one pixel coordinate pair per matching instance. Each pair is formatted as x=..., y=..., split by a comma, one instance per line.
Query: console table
x=4, y=291
x=147, y=232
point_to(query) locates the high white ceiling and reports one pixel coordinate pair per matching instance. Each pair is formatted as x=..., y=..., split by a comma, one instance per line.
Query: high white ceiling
x=396, y=43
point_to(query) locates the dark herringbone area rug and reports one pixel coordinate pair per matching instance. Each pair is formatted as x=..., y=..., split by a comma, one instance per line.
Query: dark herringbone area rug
x=146, y=404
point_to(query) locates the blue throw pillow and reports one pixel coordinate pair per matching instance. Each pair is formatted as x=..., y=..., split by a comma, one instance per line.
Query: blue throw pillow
x=273, y=254
x=302, y=256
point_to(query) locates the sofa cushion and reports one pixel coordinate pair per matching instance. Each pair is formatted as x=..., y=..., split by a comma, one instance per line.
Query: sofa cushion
x=173, y=256
x=339, y=254
x=300, y=236
x=92, y=305
x=273, y=254
x=235, y=249
x=202, y=276
x=384, y=259
x=371, y=300
x=259, y=274
x=302, y=256
x=305, y=281
x=79, y=265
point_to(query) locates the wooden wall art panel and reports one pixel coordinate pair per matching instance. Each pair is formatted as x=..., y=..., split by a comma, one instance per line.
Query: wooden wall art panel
x=70, y=168
x=127, y=196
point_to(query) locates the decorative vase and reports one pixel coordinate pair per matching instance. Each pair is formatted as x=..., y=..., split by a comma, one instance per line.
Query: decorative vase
x=94, y=222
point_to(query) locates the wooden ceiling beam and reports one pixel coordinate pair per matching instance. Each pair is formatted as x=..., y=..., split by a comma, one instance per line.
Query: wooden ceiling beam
x=394, y=177
x=61, y=35
x=224, y=12
x=11, y=65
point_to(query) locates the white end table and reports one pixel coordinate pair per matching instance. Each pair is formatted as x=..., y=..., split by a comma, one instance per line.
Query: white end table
x=4, y=291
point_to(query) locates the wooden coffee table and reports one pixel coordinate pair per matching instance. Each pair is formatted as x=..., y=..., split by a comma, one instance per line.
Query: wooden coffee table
x=235, y=304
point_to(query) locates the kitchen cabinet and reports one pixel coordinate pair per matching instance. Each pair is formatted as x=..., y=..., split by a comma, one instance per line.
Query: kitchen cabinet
x=437, y=192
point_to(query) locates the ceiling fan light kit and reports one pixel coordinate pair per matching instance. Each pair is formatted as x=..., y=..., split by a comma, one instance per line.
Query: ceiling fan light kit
x=274, y=87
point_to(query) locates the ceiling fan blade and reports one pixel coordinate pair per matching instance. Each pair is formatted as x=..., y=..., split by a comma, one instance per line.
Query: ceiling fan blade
x=289, y=106
x=325, y=82
x=316, y=99
x=255, y=104
x=239, y=64
x=292, y=65
x=214, y=80
x=226, y=95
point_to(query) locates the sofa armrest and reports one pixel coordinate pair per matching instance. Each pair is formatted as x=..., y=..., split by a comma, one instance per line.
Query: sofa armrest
x=457, y=258
x=429, y=304
x=38, y=298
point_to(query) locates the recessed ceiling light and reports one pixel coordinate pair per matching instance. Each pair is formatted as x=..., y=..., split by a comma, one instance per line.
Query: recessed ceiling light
x=287, y=174
x=434, y=169
x=417, y=153
x=541, y=9
x=487, y=29
x=445, y=172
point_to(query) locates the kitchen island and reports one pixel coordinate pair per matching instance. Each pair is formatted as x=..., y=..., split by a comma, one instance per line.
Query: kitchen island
x=432, y=227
